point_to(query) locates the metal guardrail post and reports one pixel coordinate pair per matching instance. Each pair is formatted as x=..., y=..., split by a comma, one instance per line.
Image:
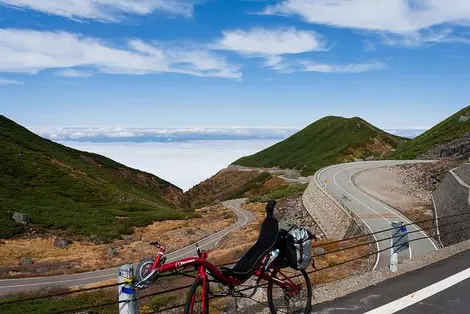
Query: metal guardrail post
x=126, y=291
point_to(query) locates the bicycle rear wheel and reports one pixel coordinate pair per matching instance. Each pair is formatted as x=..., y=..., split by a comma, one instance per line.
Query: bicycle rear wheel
x=282, y=301
x=194, y=302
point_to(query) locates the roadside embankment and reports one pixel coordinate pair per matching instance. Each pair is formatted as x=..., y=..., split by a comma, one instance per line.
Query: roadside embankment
x=452, y=198
x=329, y=215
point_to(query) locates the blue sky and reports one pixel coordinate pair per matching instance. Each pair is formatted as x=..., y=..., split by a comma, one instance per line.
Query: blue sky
x=222, y=63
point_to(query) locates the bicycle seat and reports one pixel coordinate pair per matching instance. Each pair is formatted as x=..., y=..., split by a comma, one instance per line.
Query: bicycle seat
x=267, y=237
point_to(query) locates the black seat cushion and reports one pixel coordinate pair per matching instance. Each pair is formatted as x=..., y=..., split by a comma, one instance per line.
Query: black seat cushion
x=266, y=241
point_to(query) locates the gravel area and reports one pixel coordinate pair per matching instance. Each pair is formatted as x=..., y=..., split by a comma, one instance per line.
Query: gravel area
x=392, y=186
x=328, y=292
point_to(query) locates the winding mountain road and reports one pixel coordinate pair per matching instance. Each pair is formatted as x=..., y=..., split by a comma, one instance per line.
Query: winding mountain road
x=8, y=286
x=375, y=215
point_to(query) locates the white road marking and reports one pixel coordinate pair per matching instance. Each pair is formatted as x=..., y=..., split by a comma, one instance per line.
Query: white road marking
x=422, y=294
x=57, y=282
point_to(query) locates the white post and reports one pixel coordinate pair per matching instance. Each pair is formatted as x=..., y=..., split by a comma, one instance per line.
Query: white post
x=126, y=291
x=394, y=261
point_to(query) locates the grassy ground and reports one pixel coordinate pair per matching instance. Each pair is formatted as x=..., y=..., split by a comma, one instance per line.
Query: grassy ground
x=446, y=131
x=83, y=193
x=284, y=191
x=325, y=142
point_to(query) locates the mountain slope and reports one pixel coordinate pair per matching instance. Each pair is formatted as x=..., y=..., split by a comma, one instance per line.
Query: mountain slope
x=83, y=193
x=453, y=128
x=327, y=141
x=225, y=185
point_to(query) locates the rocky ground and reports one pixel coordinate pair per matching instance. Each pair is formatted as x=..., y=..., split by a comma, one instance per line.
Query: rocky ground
x=426, y=176
x=434, y=152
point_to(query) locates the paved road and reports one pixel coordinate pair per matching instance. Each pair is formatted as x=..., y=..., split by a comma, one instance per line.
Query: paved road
x=82, y=279
x=373, y=213
x=439, y=288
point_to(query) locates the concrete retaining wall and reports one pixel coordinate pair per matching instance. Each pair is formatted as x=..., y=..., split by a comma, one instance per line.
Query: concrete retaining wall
x=452, y=198
x=329, y=214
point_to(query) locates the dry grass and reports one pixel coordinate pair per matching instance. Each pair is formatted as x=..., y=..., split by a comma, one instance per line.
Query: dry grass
x=89, y=256
x=235, y=244
x=345, y=270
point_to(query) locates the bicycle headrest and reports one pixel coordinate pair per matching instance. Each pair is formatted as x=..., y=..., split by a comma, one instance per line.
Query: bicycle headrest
x=270, y=208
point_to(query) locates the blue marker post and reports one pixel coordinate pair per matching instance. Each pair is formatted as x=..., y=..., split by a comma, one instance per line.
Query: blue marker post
x=400, y=242
x=126, y=291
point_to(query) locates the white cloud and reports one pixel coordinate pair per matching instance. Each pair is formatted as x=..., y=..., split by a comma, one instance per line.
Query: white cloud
x=103, y=134
x=270, y=42
x=418, y=39
x=184, y=164
x=395, y=16
x=409, y=133
x=343, y=68
x=28, y=51
x=73, y=73
x=10, y=82
x=103, y=10
x=277, y=63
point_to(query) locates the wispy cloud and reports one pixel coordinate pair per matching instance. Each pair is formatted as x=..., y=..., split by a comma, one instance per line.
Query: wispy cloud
x=73, y=73
x=410, y=23
x=104, y=10
x=343, y=68
x=4, y=81
x=272, y=42
x=396, y=16
x=29, y=51
x=423, y=38
x=272, y=45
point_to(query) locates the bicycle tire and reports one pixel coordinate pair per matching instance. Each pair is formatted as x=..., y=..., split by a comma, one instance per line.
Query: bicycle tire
x=193, y=293
x=308, y=286
x=140, y=270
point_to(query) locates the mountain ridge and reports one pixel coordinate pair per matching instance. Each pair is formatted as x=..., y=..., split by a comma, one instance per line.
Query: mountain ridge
x=85, y=193
x=329, y=140
x=446, y=131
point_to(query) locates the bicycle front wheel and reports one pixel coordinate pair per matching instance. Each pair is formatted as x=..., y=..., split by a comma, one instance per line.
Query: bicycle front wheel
x=195, y=303
x=282, y=300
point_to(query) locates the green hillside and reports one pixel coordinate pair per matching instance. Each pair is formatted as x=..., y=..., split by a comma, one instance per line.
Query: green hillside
x=327, y=141
x=454, y=127
x=82, y=193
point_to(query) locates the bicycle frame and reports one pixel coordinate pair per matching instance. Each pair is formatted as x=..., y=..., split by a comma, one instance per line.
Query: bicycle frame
x=203, y=266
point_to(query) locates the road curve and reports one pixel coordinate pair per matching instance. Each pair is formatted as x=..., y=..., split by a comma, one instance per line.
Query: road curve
x=8, y=286
x=374, y=214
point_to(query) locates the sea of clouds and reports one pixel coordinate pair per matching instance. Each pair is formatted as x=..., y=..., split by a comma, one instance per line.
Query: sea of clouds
x=183, y=156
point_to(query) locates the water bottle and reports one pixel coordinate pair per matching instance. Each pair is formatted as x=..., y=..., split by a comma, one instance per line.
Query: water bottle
x=272, y=256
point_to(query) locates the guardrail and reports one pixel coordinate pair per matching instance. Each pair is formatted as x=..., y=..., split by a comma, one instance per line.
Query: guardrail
x=126, y=301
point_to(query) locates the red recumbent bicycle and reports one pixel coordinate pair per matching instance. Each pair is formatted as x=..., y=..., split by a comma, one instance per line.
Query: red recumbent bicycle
x=288, y=287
